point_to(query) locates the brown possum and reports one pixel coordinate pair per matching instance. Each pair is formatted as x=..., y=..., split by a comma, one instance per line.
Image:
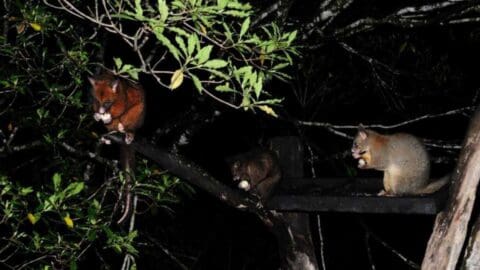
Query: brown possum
x=257, y=171
x=402, y=157
x=118, y=103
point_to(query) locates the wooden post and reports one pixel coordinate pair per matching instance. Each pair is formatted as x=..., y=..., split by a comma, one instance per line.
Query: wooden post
x=451, y=225
x=298, y=246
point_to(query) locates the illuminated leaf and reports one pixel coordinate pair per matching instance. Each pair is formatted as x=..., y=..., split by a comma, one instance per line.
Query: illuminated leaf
x=197, y=83
x=177, y=79
x=245, y=26
x=163, y=10
x=204, y=54
x=36, y=26
x=32, y=218
x=216, y=63
x=68, y=221
x=268, y=110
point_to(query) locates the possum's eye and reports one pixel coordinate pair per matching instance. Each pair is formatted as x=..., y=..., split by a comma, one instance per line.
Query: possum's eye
x=107, y=104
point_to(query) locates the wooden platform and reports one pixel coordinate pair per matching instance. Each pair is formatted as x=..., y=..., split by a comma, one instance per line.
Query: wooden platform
x=350, y=195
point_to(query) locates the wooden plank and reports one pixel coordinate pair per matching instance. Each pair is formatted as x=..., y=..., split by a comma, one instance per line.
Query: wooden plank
x=350, y=195
x=357, y=204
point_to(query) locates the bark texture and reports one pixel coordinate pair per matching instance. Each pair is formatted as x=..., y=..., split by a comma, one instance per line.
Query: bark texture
x=451, y=225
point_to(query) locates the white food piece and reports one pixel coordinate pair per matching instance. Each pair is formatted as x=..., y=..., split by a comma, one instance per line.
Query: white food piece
x=106, y=118
x=361, y=162
x=244, y=185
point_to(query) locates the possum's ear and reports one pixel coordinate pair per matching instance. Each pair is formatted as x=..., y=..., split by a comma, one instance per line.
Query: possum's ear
x=115, y=85
x=362, y=132
x=92, y=81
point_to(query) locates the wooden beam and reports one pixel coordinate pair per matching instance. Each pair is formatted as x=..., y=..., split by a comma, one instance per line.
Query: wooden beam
x=430, y=205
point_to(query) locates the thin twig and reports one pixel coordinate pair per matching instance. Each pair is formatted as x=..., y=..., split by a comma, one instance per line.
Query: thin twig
x=382, y=126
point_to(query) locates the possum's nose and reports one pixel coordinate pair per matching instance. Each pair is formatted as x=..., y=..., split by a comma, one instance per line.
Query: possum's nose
x=101, y=110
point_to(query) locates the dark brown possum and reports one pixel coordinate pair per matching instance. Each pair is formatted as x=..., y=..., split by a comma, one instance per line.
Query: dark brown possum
x=257, y=171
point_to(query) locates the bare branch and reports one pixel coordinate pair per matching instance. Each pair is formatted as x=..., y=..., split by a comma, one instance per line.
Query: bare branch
x=328, y=11
x=447, y=12
x=392, y=126
x=271, y=9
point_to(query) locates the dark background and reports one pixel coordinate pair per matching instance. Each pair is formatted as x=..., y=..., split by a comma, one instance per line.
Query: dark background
x=423, y=70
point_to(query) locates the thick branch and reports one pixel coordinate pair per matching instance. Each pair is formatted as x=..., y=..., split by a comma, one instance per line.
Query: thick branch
x=451, y=225
x=471, y=259
x=192, y=173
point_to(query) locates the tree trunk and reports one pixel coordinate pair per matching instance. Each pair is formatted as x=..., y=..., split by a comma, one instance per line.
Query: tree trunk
x=471, y=261
x=451, y=225
x=297, y=246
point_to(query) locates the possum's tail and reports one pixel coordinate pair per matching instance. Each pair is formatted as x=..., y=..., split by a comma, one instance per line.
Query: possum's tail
x=435, y=185
x=127, y=162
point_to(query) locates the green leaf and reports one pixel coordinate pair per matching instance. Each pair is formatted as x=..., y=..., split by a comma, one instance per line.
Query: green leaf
x=204, y=54
x=133, y=73
x=118, y=63
x=280, y=66
x=216, y=64
x=224, y=88
x=25, y=191
x=181, y=44
x=179, y=31
x=163, y=10
x=74, y=188
x=221, y=4
x=138, y=9
x=192, y=42
x=219, y=74
x=57, y=180
x=197, y=83
x=240, y=6
x=245, y=26
x=257, y=87
x=166, y=42
x=236, y=13
x=291, y=37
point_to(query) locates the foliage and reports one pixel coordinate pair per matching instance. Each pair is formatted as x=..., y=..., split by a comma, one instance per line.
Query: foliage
x=212, y=43
x=58, y=193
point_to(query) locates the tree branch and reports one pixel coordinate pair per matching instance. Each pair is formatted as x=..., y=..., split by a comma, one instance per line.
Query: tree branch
x=446, y=12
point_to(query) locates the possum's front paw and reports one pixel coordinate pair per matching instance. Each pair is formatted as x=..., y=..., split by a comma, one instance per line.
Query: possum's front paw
x=121, y=128
x=244, y=184
x=105, y=141
x=129, y=138
x=97, y=117
x=106, y=118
